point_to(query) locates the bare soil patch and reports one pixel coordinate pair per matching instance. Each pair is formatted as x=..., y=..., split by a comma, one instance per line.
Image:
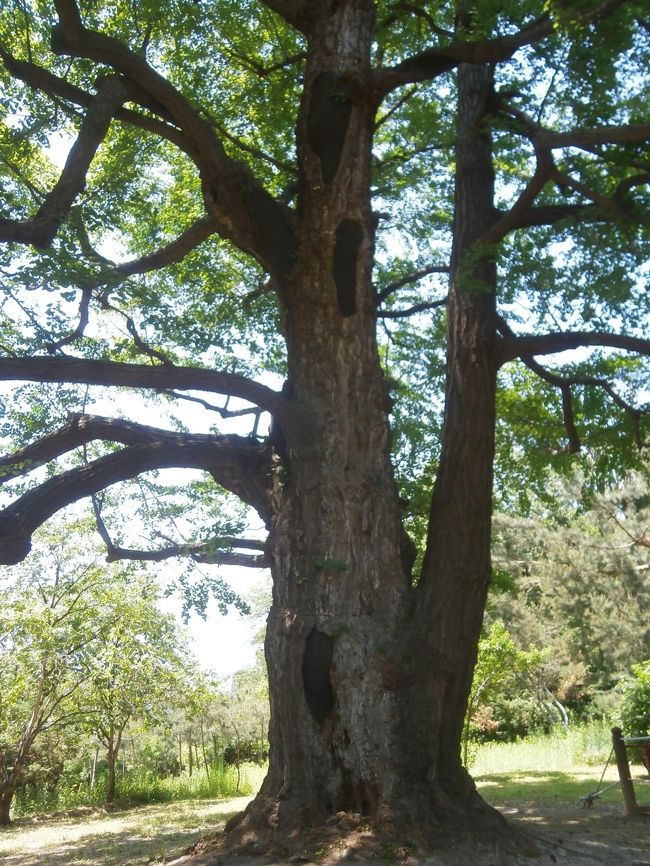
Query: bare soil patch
x=93, y=837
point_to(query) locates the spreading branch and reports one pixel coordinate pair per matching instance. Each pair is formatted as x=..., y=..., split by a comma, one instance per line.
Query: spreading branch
x=440, y=59
x=435, y=61
x=242, y=209
x=237, y=464
x=412, y=311
x=253, y=65
x=43, y=226
x=588, y=139
x=84, y=304
x=514, y=346
x=399, y=9
x=525, y=348
x=112, y=274
x=173, y=253
x=79, y=430
x=214, y=551
x=602, y=207
x=59, y=89
x=157, y=378
x=298, y=13
x=200, y=552
x=406, y=280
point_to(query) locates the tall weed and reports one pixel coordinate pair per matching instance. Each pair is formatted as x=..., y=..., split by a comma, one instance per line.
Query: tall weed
x=223, y=782
x=563, y=749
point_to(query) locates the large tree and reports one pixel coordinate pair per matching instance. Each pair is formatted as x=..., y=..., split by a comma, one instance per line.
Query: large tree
x=278, y=176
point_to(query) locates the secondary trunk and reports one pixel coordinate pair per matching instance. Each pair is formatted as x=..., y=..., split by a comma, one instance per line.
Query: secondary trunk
x=369, y=675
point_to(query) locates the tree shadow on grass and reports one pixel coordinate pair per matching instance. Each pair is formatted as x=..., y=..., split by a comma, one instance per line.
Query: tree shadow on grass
x=136, y=837
x=550, y=788
x=547, y=806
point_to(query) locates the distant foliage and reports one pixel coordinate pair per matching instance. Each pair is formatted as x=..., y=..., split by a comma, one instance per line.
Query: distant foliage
x=581, y=589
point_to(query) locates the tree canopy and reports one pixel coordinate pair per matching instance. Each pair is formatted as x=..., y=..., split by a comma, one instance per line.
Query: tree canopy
x=177, y=285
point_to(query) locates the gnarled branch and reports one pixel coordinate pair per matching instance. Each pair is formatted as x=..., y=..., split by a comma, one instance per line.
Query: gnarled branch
x=240, y=465
x=243, y=211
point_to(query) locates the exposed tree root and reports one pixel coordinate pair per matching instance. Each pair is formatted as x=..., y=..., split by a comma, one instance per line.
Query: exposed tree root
x=482, y=838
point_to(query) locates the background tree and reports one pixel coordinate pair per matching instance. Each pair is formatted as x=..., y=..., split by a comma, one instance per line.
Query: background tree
x=500, y=668
x=46, y=635
x=582, y=587
x=471, y=177
x=138, y=670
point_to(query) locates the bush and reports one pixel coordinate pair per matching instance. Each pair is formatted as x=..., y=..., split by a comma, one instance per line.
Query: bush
x=635, y=701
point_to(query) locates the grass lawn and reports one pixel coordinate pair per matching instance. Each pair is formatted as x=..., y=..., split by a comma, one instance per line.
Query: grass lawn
x=551, y=770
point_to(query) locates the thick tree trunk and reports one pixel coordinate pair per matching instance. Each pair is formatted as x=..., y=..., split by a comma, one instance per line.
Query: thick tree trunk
x=369, y=676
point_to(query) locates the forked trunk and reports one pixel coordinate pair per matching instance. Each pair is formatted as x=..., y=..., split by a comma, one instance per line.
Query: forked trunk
x=369, y=674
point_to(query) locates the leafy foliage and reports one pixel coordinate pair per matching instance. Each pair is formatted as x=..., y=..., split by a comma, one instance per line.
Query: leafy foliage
x=635, y=701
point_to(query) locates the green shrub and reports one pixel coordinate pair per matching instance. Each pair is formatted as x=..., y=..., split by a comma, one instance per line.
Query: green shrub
x=635, y=701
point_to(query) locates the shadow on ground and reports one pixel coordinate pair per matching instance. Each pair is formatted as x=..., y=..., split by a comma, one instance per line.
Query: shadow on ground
x=145, y=835
x=551, y=788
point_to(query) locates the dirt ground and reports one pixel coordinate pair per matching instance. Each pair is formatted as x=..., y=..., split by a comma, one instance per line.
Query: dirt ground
x=562, y=835
x=570, y=836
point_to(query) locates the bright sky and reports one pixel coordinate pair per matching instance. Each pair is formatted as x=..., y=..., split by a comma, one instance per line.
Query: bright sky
x=224, y=644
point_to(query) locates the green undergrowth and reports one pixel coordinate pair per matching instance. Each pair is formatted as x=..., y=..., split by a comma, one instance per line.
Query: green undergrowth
x=562, y=750
x=223, y=782
x=547, y=769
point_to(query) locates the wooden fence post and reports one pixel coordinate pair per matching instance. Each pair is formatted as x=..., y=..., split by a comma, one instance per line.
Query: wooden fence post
x=629, y=798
